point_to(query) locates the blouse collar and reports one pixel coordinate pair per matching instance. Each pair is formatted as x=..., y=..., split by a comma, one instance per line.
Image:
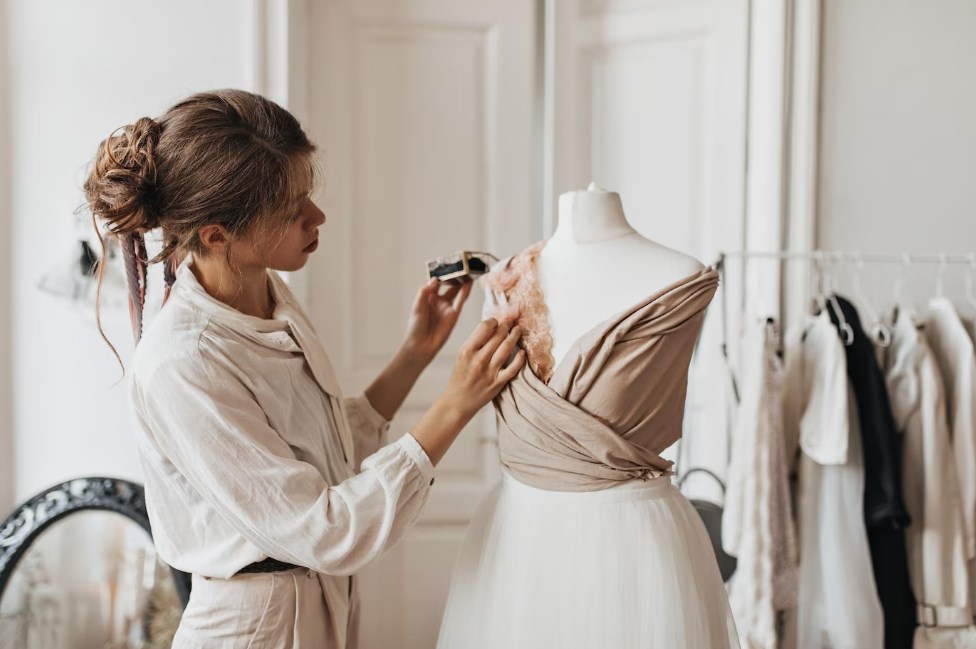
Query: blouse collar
x=274, y=332
x=189, y=288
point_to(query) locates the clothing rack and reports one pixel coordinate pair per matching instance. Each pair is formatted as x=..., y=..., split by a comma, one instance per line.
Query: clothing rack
x=824, y=258
x=838, y=256
x=834, y=257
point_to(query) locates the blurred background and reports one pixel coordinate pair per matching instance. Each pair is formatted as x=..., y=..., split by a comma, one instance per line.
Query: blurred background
x=455, y=124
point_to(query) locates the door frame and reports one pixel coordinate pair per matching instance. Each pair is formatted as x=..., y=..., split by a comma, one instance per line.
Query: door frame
x=279, y=71
x=804, y=141
x=783, y=122
x=782, y=173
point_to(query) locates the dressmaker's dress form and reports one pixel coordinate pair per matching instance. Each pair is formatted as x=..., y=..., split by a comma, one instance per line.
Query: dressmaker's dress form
x=586, y=543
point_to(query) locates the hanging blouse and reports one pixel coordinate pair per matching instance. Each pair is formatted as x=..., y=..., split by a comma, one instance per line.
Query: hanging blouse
x=954, y=353
x=757, y=523
x=884, y=507
x=936, y=539
x=838, y=604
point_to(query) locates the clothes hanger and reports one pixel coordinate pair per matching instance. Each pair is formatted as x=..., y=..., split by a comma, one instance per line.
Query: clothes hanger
x=970, y=294
x=879, y=330
x=940, y=277
x=906, y=261
x=816, y=287
x=844, y=328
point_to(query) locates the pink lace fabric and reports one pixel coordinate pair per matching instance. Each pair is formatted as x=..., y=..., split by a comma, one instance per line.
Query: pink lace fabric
x=518, y=280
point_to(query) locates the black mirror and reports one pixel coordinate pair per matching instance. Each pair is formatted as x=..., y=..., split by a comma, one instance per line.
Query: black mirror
x=78, y=569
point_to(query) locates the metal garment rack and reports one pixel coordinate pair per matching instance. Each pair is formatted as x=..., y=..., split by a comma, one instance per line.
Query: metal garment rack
x=836, y=257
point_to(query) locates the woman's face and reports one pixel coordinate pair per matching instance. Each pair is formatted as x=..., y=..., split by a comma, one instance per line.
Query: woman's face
x=291, y=245
x=300, y=239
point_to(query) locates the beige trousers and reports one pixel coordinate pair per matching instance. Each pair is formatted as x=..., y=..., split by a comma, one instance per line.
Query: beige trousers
x=275, y=610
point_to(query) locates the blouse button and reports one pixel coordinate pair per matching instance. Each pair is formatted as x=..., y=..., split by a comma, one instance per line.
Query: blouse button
x=432, y=482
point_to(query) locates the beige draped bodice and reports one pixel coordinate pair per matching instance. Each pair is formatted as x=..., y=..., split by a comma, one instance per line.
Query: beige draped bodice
x=614, y=402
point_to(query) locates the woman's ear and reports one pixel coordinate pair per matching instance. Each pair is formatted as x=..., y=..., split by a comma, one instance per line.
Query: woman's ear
x=214, y=236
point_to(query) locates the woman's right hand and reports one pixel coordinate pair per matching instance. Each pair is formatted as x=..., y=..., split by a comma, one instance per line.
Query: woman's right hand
x=479, y=375
x=480, y=371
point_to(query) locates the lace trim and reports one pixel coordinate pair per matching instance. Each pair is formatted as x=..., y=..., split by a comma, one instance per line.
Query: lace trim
x=519, y=282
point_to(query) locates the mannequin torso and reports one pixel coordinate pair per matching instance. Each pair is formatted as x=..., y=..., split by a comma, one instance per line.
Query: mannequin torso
x=596, y=265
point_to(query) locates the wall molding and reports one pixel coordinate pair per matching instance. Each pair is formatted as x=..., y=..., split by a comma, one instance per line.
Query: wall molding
x=369, y=38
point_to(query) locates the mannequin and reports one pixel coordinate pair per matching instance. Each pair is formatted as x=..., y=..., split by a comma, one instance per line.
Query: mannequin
x=596, y=265
x=558, y=554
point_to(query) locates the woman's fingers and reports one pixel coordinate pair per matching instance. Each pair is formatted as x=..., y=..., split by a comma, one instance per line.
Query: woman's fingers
x=424, y=293
x=481, y=334
x=462, y=296
x=511, y=371
x=450, y=290
x=497, y=338
x=505, y=349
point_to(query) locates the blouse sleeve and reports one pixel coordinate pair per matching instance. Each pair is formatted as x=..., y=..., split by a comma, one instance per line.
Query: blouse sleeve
x=212, y=429
x=369, y=428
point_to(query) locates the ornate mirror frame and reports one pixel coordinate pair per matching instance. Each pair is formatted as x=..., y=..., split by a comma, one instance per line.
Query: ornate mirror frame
x=31, y=518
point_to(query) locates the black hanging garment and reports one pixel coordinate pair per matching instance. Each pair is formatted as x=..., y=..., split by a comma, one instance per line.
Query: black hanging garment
x=885, y=515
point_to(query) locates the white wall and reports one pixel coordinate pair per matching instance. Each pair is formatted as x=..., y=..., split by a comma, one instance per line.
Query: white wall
x=79, y=70
x=898, y=138
x=6, y=419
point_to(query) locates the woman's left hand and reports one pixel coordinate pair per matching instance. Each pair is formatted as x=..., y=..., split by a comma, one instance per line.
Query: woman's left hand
x=434, y=313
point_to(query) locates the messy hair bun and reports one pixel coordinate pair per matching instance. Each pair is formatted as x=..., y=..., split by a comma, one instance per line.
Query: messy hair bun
x=121, y=188
x=226, y=157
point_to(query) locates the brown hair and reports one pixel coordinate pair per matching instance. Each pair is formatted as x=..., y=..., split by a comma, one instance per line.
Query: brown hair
x=226, y=157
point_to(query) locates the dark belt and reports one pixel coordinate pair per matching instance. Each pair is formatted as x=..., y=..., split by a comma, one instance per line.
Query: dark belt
x=267, y=565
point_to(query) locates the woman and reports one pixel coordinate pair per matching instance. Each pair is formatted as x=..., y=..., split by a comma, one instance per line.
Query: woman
x=261, y=479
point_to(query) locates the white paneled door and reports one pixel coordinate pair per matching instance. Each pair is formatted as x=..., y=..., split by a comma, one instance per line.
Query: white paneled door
x=424, y=113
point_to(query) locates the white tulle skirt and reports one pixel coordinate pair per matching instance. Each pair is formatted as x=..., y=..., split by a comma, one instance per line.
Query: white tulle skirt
x=625, y=568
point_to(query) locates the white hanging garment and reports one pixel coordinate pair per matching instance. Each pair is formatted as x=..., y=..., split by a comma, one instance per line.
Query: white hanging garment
x=954, y=353
x=757, y=524
x=936, y=538
x=838, y=605
x=971, y=328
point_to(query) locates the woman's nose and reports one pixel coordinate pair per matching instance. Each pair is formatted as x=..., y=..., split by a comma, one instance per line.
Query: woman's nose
x=319, y=216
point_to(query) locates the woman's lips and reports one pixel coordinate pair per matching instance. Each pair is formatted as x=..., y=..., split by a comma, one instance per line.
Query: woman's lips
x=312, y=246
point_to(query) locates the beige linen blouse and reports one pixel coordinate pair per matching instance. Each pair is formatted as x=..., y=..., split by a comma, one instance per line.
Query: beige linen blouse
x=250, y=450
